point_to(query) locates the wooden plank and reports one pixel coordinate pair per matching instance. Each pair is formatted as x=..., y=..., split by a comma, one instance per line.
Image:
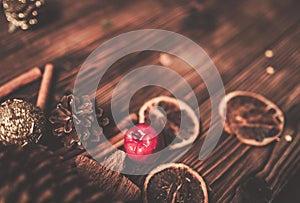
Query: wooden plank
x=43, y=46
x=268, y=162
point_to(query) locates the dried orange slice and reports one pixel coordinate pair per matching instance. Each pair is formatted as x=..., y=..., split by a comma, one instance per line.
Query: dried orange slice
x=176, y=119
x=174, y=183
x=254, y=119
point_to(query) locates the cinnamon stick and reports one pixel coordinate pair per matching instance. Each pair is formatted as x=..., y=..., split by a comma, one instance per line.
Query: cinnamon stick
x=106, y=147
x=22, y=80
x=109, y=147
x=45, y=86
x=97, y=153
x=107, y=180
x=116, y=161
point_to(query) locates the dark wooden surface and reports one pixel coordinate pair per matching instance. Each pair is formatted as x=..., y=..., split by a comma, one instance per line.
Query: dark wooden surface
x=235, y=34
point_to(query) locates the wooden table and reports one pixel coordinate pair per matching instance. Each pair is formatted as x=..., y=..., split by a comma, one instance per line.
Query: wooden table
x=235, y=34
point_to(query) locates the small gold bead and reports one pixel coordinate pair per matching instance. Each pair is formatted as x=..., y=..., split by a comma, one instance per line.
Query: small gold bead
x=270, y=70
x=21, y=15
x=165, y=59
x=24, y=27
x=269, y=54
x=288, y=138
x=38, y=4
x=34, y=13
x=33, y=21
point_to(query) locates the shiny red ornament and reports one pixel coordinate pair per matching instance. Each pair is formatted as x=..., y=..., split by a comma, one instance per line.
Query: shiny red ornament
x=141, y=142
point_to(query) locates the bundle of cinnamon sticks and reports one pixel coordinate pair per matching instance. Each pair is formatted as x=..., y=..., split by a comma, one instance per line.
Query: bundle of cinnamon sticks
x=27, y=78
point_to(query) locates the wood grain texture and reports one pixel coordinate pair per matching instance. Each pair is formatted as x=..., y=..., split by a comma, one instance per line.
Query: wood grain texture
x=235, y=35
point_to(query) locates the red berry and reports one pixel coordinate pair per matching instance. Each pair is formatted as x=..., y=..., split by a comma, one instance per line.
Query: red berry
x=141, y=141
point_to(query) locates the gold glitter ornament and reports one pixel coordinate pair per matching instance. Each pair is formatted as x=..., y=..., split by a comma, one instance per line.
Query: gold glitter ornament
x=22, y=13
x=21, y=123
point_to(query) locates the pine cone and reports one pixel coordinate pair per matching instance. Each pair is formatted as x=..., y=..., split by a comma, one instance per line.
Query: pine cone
x=22, y=13
x=71, y=111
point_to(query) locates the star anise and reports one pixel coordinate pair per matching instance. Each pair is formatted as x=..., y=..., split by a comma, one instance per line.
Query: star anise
x=79, y=111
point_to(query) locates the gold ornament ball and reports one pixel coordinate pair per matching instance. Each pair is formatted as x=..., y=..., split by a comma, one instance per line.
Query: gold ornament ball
x=21, y=123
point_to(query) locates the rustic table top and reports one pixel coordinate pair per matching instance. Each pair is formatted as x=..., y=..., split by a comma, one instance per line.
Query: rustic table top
x=235, y=34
